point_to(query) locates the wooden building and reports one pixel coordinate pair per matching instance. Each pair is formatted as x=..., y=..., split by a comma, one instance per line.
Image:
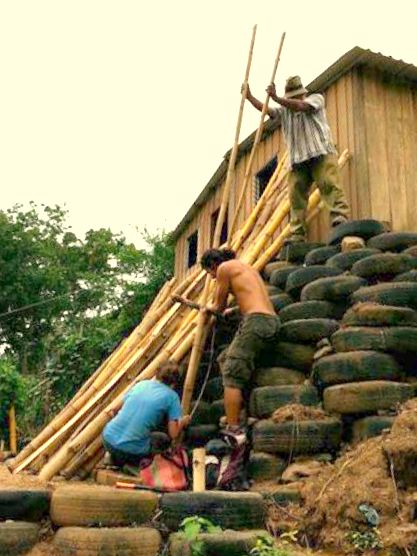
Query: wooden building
x=371, y=103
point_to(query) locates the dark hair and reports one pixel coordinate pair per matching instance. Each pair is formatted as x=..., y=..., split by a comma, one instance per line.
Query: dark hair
x=214, y=257
x=169, y=374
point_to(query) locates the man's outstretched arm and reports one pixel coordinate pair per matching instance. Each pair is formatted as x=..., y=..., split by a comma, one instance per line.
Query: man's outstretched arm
x=257, y=103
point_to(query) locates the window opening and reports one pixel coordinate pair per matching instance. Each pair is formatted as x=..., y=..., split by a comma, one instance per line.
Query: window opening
x=263, y=176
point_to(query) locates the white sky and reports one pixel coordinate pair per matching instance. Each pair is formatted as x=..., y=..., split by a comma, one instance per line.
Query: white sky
x=122, y=110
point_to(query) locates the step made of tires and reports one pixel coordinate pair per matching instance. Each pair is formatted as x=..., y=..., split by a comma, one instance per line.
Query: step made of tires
x=355, y=366
x=85, y=505
x=198, y=436
x=115, y=541
x=375, y=314
x=365, y=397
x=409, y=276
x=214, y=389
x=272, y=266
x=368, y=427
x=24, y=505
x=279, y=277
x=360, y=228
x=295, y=356
x=226, y=543
x=383, y=265
x=398, y=339
x=280, y=301
x=17, y=537
x=266, y=399
x=393, y=241
x=345, y=261
x=296, y=252
x=321, y=255
x=334, y=288
x=229, y=510
x=400, y=294
x=308, y=310
x=297, y=437
x=309, y=331
x=265, y=467
x=299, y=278
x=277, y=376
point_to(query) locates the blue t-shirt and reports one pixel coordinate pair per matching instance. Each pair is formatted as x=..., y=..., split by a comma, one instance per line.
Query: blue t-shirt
x=145, y=407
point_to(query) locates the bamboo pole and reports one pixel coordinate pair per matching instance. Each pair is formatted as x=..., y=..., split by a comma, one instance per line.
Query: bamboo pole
x=12, y=430
x=256, y=142
x=82, y=457
x=233, y=156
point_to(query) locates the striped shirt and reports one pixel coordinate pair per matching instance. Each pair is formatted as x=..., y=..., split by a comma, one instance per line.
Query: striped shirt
x=307, y=134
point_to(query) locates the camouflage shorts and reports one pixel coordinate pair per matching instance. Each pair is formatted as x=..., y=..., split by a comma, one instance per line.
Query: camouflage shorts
x=256, y=332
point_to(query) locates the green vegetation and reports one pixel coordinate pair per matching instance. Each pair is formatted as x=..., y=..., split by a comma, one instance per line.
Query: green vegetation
x=66, y=303
x=191, y=527
x=363, y=541
x=266, y=546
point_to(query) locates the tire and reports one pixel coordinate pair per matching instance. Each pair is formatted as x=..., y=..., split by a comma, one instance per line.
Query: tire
x=334, y=288
x=198, y=436
x=360, y=228
x=297, y=437
x=229, y=510
x=355, y=366
x=265, y=467
x=397, y=339
x=266, y=399
x=85, y=505
x=277, y=376
x=374, y=314
x=214, y=389
x=411, y=251
x=393, y=241
x=272, y=290
x=280, y=301
x=272, y=266
x=296, y=252
x=24, y=505
x=365, y=397
x=409, y=276
x=217, y=411
x=120, y=541
x=295, y=356
x=279, y=277
x=321, y=255
x=308, y=310
x=203, y=414
x=345, y=261
x=17, y=537
x=299, y=278
x=284, y=495
x=400, y=294
x=226, y=543
x=383, y=266
x=368, y=427
x=309, y=331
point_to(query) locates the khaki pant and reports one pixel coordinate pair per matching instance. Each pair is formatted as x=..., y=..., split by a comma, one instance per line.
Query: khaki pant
x=324, y=171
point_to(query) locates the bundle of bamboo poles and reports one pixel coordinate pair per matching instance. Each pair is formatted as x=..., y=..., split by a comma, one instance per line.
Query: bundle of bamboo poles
x=71, y=443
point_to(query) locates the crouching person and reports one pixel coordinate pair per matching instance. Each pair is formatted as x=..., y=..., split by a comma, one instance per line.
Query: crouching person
x=146, y=407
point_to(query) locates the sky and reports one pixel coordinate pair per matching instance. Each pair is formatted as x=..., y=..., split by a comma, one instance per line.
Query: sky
x=121, y=111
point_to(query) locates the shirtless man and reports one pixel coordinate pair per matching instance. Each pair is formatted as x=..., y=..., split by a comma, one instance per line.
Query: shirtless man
x=259, y=327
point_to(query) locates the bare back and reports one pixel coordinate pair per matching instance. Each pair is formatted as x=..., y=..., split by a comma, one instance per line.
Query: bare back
x=247, y=286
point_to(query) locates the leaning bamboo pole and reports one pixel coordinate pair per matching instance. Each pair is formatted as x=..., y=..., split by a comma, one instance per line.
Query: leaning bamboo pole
x=255, y=142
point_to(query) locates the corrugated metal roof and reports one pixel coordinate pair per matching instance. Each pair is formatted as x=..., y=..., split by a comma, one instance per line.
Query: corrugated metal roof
x=397, y=69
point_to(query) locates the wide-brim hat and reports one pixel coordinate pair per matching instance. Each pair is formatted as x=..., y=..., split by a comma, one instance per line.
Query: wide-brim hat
x=294, y=87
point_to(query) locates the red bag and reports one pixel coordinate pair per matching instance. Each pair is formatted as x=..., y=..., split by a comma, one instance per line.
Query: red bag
x=167, y=471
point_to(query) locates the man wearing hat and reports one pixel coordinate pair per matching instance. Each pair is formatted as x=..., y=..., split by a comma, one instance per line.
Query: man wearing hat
x=311, y=151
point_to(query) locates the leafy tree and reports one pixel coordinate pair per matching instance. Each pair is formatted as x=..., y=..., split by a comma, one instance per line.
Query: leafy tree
x=65, y=302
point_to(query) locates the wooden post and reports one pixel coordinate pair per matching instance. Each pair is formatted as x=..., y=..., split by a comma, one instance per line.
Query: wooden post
x=255, y=143
x=12, y=430
x=199, y=470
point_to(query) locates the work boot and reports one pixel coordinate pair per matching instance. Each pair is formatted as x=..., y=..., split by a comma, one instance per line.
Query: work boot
x=294, y=239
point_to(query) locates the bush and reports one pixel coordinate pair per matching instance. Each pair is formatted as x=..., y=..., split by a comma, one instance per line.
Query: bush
x=12, y=392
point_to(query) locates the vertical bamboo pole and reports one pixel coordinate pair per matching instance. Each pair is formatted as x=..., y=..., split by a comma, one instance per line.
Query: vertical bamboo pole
x=12, y=430
x=233, y=156
x=202, y=321
x=255, y=143
x=199, y=470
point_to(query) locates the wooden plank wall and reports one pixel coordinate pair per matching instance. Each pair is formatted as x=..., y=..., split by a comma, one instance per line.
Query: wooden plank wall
x=376, y=120
x=267, y=149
